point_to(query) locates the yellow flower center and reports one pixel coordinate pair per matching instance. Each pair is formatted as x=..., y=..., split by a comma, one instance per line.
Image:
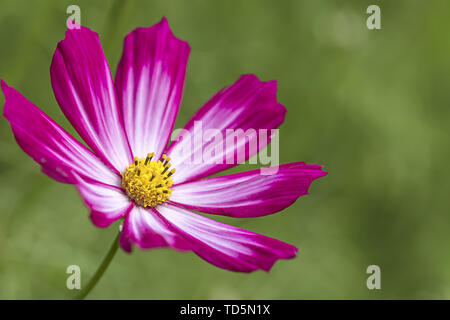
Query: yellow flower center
x=148, y=182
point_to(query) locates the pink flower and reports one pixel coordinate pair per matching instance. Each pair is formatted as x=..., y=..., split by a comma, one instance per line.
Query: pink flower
x=127, y=125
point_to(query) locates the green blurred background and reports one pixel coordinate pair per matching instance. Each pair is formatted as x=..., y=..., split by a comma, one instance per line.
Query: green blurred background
x=371, y=105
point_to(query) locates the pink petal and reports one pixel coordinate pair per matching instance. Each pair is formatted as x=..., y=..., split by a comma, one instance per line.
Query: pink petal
x=149, y=82
x=223, y=245
x=146, y=228
x=248, y=194
x=107, y=203
x=84, y=89
x=51, y=146
x=247, y=104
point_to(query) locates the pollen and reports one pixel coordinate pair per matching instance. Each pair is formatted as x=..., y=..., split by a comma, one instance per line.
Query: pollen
x=148, y=181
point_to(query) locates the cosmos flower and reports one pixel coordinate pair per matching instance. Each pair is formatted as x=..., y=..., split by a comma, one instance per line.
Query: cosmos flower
x=128, y=170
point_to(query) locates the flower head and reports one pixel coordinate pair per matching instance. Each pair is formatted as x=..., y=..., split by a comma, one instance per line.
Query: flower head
x=148, y=182
x=128, y=171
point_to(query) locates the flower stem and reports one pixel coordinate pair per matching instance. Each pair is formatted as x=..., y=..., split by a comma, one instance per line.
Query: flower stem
x=101, y=269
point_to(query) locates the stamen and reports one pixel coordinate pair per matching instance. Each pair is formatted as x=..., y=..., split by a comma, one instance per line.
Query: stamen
x=147, y=182
x=170, y=173
x=149, y=157
x=166, y=161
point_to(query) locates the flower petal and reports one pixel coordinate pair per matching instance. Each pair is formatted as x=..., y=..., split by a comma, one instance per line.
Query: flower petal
x=248, y=194
x=223, y=245
x=59, y=154
x=107, y=203
x=149, y=82
x=248, y=104
x=146, y=228
x=84, y=89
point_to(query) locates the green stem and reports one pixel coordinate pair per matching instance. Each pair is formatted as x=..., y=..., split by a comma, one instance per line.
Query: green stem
x=101, y=269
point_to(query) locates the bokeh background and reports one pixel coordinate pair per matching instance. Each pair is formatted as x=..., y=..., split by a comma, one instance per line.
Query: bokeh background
x=372, y=106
